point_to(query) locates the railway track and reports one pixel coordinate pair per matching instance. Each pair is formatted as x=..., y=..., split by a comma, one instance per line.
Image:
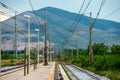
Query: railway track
x=81, y=74
x=75, y=72
x=10, y=69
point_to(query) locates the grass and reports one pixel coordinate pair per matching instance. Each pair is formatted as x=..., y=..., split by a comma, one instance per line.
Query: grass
x=106, y=65
x=66, y=73
x=11, y=62
x=113, y=75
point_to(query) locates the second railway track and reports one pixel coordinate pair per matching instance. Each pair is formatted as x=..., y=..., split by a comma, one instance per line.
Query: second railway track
x=81, y=74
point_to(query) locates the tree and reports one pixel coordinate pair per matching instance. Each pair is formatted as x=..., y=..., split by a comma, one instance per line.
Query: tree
x=83, y=52
x=99, y=48
x=115, y=49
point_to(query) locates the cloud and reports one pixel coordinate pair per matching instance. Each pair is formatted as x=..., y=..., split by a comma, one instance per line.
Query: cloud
x=4, y=16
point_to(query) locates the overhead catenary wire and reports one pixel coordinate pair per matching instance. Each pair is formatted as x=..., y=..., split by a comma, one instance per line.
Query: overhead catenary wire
x=34, y=12
x=98, y=13
x=5, y=14
x=12, y=25
x=9, y=8
x=111, y=13
x=82, y=14
x=74, y=27
x=78, y=15
x=76, y=19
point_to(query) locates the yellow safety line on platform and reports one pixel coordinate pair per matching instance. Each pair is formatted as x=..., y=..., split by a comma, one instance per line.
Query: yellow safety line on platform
x=51, y=72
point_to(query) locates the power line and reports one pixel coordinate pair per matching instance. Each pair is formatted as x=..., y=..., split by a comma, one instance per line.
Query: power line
x=83, y=13
x=77, y=16
x=9, y=8
x=5, y=14
x=66, y=41
x=34, y=12
x=111, y=13
x=98, y=13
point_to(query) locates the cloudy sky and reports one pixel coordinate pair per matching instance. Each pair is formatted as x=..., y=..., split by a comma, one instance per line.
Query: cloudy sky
x=69, y=5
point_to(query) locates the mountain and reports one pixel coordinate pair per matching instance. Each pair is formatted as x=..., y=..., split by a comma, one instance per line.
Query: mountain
x=58, y=25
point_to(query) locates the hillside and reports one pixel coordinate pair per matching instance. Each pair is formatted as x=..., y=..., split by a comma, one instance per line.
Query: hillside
x=58, y=25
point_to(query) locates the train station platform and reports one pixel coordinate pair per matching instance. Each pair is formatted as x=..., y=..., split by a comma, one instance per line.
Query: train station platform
x=42, y=73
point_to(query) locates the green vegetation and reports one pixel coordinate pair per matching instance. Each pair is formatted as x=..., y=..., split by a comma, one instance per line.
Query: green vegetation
x=9, y=59
x=5, y=55
x=106, y=61
x=66, y=72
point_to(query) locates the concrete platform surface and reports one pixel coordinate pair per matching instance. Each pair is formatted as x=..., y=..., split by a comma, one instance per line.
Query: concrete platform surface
x=63, y=73
x=42, y=73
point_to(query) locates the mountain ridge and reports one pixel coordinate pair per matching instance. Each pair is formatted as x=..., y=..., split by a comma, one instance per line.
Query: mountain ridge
x=59, y=22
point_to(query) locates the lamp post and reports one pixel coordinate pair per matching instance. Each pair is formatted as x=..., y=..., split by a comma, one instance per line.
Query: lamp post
x=49, y=51
x=43, y=47
x=15, y=44
x=28, y=17
x=38, y=47
x=52, y=51
x=45, y=44
x=90, y=43
x=0, y=41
